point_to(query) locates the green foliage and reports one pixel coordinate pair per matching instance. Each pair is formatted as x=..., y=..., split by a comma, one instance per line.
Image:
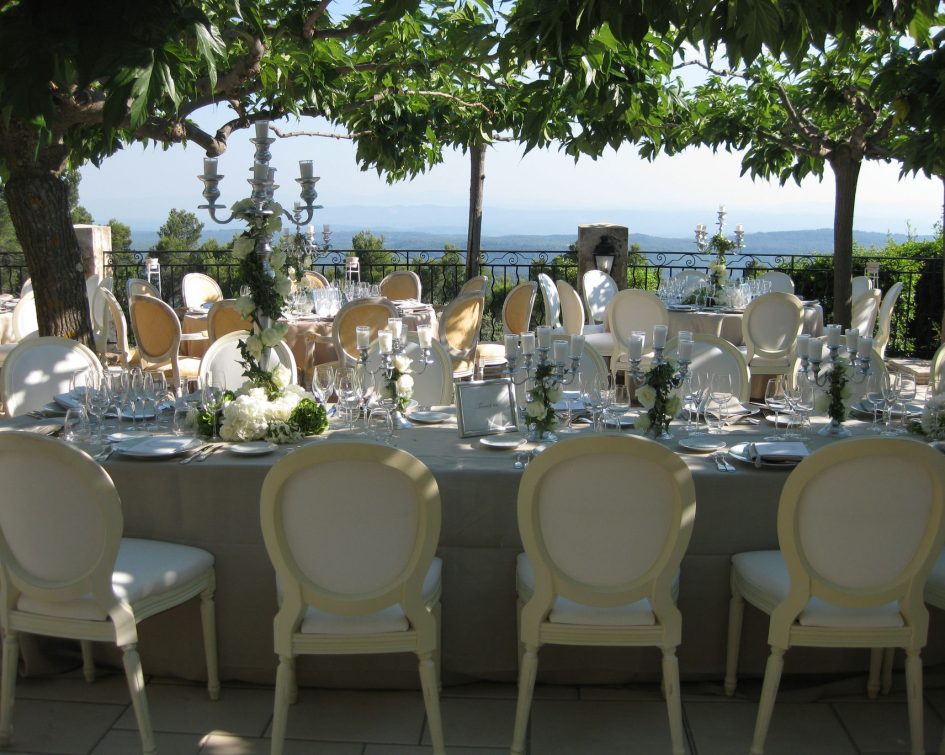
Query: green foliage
x=121, y=236
x=375, y=260
x=310, y=417
x=81, y=216
x=180, y=232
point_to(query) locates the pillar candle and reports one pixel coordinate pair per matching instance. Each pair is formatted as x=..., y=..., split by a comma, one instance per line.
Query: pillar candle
x=385, y=341
x=577, y=346
x=424, y=336
x=833, y=335
x=262, y=129
x=684, y=335
x=396, y=327
x=544, y=336
x=305, y=168
x=636, y=346
x=511, y=346
x=865, y=347
x=816, y=350
x=684, y=351
x=528, y=343
x=210, y=167
x=803, y=344
x=560, y=351
x=853, y=337
x=659, y=336
x=363, y=333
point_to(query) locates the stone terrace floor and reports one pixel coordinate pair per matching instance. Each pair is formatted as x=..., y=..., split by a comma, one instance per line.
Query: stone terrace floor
x=820, y=717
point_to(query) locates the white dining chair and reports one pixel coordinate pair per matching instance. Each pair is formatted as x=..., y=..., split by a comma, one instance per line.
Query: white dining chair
x=884, y=319
x=572, y=311
x=158, y=337
x=599, y=289
x=314, y=279
x=770, y=327
x=222, y=365
x=401, y=284
x=601, y=560
x=860, y=524
x=101, y=315
x=140, y=287
x=125, y=354
x=860, y=285
x=549, y=297
x=459, y=328
x=780, y=282
x=197, y=289
x=633, y=309
x=865, y=310
x=68, y=572
x=223, y=318
x=433, y=386
x=516, y=317
x=40, y=368
x=374, y=312
x=475, y=285
x=26, y=287
x=356, y=570
x=24, y=324
x=712, y=355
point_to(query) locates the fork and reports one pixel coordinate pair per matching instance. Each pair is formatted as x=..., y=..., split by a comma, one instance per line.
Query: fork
x=721, y=464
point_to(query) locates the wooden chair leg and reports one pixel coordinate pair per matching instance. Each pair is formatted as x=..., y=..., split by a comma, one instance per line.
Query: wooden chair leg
x=88, y=663
x=280, y=710
x=673, y=700
x=769, y=692
x=293, y=683
x=528, y=670
x=914, y=700
x=876, y=662
x=736, y=611
x=888, y=658
x=208, y=620
x=431, y=699
x=11, y=657
x=139, y=700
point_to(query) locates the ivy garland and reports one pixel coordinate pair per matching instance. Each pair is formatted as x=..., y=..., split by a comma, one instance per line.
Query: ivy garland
x=540, y=411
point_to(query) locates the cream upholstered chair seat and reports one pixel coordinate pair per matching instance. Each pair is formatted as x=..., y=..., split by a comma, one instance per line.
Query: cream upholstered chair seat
x=603, y=343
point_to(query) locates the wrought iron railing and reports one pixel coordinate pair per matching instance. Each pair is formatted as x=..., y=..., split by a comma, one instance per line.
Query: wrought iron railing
x=915, y=328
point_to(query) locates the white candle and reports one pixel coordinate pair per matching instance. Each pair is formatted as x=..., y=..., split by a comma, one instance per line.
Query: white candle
x=853, y=336
x=210, y=167
x=560, y=351
x=739, y=228
x=511, y=345
x=803, y=343
x=833, y=335
x=396, y=327
x=816, y=350
x=260, y=171
x=659, y=336
x=721, y=208
x=425, y=336
x=544, y=336
x=636, y=346
x=865, y=347
x=385, y=341
x=310, y=231
x=262, y=129
x=577, y=346
x=305, y=168
x=684, y=351
x=528, y=343
x=326, y=229
x=684, y=335
x=363, y=333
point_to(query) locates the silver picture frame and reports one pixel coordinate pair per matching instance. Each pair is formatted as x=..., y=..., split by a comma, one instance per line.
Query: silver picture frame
x=486, y=407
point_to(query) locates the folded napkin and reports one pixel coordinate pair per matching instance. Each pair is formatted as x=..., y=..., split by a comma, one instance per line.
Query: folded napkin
x=31, y=425
x=160, y=444
x=777, y=452
x=67, y=401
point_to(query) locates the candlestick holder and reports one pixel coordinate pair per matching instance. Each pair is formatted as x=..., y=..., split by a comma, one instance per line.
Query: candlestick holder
x=562, y=375
x=638, y=375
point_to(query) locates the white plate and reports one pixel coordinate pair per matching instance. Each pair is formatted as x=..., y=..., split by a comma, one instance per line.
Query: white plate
x=739, y=452
x=139, y=414
x=623, y=421
x=52, y=409
x=158, y=446
x=122, y=437
x=430, y=418
x=252, y=448
x=501, y=441
x=702, y=444
x=862, y=410
x=68, y=401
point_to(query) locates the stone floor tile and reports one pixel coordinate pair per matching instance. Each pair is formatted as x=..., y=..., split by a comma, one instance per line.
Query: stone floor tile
x=641, y=692
x=811, y=729
x=421, y=750
x=107, y=688
x=475, y=723
x=879, y=726
x=125, y=741
x=501, y=691
x=225, y=744
x=62, y=728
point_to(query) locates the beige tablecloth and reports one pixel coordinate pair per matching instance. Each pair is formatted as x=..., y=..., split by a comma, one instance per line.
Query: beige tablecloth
x=215, y=505
x=728, y=325
x=6, y=327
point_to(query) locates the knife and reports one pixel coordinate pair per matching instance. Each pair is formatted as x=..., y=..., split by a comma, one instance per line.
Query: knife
x=196, y=453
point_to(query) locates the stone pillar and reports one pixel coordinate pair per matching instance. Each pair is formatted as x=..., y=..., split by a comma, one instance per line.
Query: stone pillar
x=94, y=242
x=588, y=238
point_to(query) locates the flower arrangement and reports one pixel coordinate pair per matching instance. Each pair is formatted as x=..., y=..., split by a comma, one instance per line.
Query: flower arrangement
x=546, y=392
x=657, y=395
x=932, y=422
x=400, y=382
x=718, y=270
x=833, y=400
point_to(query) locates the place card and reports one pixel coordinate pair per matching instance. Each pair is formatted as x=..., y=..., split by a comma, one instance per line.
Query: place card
x=485, y=407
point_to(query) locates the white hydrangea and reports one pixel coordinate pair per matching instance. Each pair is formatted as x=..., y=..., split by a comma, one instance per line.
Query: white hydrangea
x=254, y=346
x=404, y=386
x=245, y=306
x=283, y=285
x=554, y=394
x=673, y=405
x=646, y=395
x=274, y=334
x=251, y=414
x=281, y=376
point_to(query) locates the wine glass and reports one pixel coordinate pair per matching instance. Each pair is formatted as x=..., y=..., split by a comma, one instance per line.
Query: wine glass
x=76, y=429
x=98, y=398
x=719, y=405
x=323, y=381
x=874, y=396
x=907, y=391
x=348, y=390
x=801, y=397
x=693, y=390
x=891, y=387
x=776, y=400
x=591, y=398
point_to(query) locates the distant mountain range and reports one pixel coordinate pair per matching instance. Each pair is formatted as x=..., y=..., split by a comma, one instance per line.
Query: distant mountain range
x=774, y=242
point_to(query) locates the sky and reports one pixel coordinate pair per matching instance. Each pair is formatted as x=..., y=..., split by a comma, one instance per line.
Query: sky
x=543, y=192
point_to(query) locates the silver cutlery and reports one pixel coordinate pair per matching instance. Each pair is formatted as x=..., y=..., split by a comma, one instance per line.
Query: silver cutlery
x=720, y=462
x=104, y=454
x=196, y=453
x=208, y=452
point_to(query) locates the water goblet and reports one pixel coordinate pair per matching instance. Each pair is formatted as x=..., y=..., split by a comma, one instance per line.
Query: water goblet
x=348, y=392
x=891, y=388
x=907, y=392
x=76, y=429
x=98, y=398
x=380, y=422
x=323, y=381
x=873, y=397
x=776, y=401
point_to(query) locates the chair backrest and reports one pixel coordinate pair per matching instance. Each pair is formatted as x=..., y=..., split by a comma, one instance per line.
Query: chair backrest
x=222, y=362
x=572, y=311
x=25, y=322
x=26, y=287
x=712, y=355
x=770, y=325
x=884, y=319
x=140, y=287
x=223, y=318
x=549, y=295
x=860, y=523
x=98, y=310
x=861, y=284
x=599, y=289
x=460, y=324
x=197, y=289
x=373, y=312
x=594, y=540
x=117, y=318
x=156, y=327
x=865, y=309
x=431, y=387
x=635, y=309
x=401, y=284
x=60, y=525
x=691, y=278
x=39, y=368
x=937, y=371
x=517, y=307
x=314, y=279
x=780, y=282
x=336, y=544
x=475, y=285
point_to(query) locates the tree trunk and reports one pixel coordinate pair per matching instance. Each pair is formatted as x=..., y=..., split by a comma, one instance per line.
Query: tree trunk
x=941, y=335
x=39, y=208
x=846, y=171
x=477, y=177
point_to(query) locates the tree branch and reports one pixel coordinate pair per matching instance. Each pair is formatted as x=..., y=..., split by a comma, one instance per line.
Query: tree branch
x=324, y=134
x=358, y=26
x=805, y=127
x=308, y=28
x=231, y=83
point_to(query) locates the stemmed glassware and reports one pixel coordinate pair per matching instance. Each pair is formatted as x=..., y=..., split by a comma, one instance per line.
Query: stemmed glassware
x=323, y=382
x=776, y=400
x=348, y=389
x=97, y=401
x=875, y=396
x=891, y=388
x=800, y=397
x=693, y=391
x=717, y=404
x=907, y=391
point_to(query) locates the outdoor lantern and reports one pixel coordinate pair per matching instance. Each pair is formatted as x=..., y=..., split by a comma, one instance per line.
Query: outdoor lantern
x=604, y=254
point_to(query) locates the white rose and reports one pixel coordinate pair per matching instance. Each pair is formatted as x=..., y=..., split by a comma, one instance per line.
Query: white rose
x=535, y=409
x=254, y=346
x=646, y=395
x=283, y=285
x=402, y=363
x=277, y=259
x=404, y=385
x=243, y=247
x=245, y=306
x=642, y=422
x=281, y=376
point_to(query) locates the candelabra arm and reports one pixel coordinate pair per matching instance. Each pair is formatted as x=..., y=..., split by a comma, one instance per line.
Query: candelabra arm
x=212, y=209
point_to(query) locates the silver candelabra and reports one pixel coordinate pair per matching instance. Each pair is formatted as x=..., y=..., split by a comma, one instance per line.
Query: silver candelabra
x=541, y=343
x=858, y=352
x=635, y=355
x=702, y=233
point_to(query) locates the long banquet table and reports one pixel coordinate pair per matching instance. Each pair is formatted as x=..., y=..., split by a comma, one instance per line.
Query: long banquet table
x=214, y=505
